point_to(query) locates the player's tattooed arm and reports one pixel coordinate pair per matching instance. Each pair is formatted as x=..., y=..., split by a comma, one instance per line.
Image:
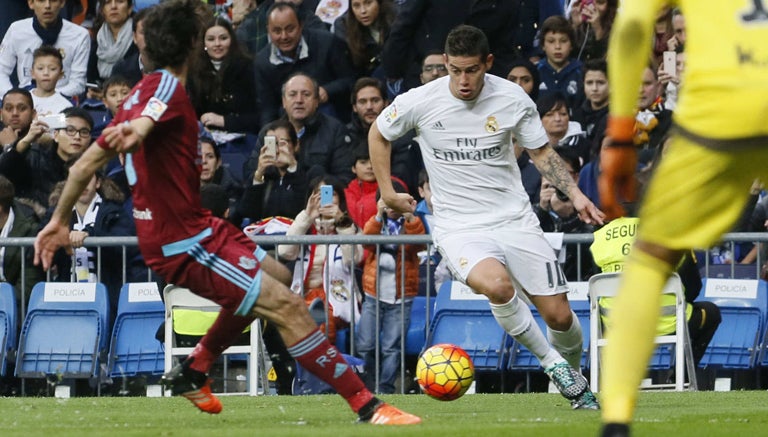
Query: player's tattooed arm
x=552, y=167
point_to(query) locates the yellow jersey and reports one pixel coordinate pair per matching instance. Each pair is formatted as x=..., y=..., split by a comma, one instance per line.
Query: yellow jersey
x=724, y=88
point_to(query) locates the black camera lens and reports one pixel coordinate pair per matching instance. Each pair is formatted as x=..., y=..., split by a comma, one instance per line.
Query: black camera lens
x=560, y=195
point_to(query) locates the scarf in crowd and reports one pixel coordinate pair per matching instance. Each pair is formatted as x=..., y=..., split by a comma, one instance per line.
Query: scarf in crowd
x=85, y=267
x=111, y=51
x=49, y=35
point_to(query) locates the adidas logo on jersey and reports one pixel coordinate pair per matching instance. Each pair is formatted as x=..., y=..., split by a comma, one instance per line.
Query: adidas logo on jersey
x=437, y=126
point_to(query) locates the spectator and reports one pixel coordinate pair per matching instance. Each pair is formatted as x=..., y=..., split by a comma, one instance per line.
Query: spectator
x=326, y=148
x=593, y=21
x=252, y=31
x=33, y=168
x=432, y=67
x=671, y=81
x=279, y=186
x=361, y=192
x=324, y=266
x=317, y=54
x=593, y=113
x=368, y=100
x=132, y=65
x=390, y=281
x=677, y=41
x=214, y=198
x=16, y=116
x=99, y=212
x=114, y=92
x=422, y=26
x=47, y=65
x=653, y=119
x=525, y=74
x=213, y=172
x=561, y=131
x=558, y=70
x=556, y=213
x=365, y=27
x=114, y=38
x=15, y=223
x=222, y=85
x=45, y=28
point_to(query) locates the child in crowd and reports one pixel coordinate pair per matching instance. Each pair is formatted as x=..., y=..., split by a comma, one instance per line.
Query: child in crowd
x=361, y=191
x=559, y=72
x=47, y=69
x=382, y=283
x=114, y=92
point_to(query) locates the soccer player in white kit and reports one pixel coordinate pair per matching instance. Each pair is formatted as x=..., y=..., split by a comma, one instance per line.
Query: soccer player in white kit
x=483, y=222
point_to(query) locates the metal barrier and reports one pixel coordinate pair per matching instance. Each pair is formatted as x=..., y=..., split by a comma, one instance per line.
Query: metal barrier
x=579, y=241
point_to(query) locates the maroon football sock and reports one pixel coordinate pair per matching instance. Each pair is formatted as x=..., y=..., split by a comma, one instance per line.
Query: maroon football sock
x=316, y=354
x=219, y=337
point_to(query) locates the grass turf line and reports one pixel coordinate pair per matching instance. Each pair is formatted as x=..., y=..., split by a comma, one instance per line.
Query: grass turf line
x=672, y=414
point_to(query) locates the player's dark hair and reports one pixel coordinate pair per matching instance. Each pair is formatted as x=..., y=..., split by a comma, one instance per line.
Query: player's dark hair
x=22, y=92
x=78, y=112
x=7, y=192
x=172, y=30
x=46, y=50
x=557, y=24
x=365, y=82
x=465, y=40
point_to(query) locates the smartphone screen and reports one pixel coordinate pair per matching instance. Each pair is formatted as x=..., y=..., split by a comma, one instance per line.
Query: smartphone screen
x=270, y=143
x=670, y=63
x=326, y=195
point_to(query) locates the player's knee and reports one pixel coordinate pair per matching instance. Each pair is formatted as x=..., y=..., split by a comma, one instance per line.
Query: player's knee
x=499, y=292
x=559, y=320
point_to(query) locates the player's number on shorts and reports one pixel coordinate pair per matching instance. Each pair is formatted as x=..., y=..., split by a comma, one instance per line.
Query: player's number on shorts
x=757, y=14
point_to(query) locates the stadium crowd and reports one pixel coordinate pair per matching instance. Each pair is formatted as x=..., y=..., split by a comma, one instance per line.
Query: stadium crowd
x=285, y=92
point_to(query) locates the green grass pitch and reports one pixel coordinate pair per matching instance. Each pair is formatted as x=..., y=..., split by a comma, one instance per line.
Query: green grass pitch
x=738, y=413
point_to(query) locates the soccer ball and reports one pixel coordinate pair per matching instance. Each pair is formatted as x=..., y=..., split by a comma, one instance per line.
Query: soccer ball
x=445, y=372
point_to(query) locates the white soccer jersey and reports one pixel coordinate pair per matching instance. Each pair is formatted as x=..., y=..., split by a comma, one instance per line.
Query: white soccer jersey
x=467, y=149
x=21, y=40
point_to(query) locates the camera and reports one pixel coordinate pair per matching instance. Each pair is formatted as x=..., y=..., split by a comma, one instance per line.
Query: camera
x=560, y=195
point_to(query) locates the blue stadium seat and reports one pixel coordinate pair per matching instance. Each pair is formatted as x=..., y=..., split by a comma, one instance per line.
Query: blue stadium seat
x=417, y=329
x=134, y=350
x=65, y=331
x=743, y=305
x=8, y=317
x=464, y=319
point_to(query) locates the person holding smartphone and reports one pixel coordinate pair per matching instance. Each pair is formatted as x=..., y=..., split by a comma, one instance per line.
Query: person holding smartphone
x=592, y=20
x=279, y=184
x=319, y=267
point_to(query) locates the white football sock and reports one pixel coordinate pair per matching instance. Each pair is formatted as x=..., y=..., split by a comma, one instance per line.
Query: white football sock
x=568, y=343
x=516, y=318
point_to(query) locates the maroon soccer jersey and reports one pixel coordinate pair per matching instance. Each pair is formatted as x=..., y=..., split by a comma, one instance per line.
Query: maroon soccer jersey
x=165, y=172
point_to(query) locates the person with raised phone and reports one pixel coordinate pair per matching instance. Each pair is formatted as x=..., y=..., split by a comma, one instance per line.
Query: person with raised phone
x=182, y=242
x=483, y=222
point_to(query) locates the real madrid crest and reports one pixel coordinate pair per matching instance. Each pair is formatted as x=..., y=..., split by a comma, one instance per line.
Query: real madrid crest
x=491, y=125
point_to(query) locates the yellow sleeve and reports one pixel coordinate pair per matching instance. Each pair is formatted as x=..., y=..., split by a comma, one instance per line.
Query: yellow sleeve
x=628, y=52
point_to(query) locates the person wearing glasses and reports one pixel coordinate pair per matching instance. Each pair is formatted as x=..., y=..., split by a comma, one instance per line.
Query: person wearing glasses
x=34, y=168
x=433, y=67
